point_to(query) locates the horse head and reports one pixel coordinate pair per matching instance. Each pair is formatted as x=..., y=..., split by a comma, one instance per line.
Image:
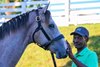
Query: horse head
x=34, y=26
x=45, y=32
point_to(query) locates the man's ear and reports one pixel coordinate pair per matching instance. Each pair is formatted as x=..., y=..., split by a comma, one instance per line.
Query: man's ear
x=86, y=39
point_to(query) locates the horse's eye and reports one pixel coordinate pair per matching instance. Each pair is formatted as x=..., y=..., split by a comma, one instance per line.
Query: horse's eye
x=51, y=26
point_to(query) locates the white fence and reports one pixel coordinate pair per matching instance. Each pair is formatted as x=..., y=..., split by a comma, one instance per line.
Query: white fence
x=22, y=7
x=64, y=12
x=84, y=11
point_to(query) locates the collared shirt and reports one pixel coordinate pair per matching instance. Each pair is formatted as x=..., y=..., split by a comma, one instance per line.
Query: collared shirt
x=87, y=57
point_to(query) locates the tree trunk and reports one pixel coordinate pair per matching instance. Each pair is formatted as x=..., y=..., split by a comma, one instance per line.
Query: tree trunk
x=8, y=1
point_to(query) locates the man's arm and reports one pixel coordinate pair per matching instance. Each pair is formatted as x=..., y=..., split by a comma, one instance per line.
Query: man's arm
x=77, y=62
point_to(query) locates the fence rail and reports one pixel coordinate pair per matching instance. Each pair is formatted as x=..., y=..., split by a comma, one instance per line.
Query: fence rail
x=84, y=11
x=63, y=12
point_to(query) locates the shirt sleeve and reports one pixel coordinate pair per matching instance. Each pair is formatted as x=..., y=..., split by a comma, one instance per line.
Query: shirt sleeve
x=92, y=60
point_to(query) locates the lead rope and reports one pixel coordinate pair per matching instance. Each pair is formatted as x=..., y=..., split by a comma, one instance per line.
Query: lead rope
x=54, y=62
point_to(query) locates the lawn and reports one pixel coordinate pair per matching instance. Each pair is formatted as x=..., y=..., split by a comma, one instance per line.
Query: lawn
x=35, y=56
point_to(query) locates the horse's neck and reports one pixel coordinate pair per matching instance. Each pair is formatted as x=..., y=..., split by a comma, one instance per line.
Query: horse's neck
x=12, y=47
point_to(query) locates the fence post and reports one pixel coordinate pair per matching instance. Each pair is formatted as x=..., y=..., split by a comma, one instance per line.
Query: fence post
x=67, y=11
x=24, y=6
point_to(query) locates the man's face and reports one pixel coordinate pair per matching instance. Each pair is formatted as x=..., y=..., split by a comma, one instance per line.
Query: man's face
x=79, y=41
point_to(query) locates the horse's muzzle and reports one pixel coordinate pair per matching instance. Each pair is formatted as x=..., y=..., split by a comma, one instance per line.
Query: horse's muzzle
x=60, y=56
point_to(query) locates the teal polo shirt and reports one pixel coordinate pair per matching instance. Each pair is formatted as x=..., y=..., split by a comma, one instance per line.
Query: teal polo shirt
x=87, y=57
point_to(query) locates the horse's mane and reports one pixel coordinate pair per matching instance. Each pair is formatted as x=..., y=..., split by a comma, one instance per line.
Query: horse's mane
x=17, y=22
x=13, y=24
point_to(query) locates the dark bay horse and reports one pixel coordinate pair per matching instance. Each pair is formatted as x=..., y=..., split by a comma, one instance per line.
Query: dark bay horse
x=34, y=26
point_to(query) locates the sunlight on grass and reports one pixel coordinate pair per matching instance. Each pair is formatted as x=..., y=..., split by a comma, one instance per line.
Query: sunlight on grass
x=35, y=56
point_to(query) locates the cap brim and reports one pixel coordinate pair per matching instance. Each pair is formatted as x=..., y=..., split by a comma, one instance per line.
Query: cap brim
x=76, y=33
x=73, y=33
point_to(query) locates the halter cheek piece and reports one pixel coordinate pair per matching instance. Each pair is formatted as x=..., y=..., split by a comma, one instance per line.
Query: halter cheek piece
x=50, y=41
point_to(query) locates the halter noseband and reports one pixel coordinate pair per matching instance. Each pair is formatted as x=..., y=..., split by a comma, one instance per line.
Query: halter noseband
x=46, y=45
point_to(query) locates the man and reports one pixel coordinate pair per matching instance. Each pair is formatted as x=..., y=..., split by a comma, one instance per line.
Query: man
x=84, y=57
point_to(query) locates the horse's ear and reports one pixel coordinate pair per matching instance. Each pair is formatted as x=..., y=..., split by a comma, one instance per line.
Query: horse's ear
x=46, y=7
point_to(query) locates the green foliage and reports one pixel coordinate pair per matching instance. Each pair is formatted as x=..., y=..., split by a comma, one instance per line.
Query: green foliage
x=35, y=56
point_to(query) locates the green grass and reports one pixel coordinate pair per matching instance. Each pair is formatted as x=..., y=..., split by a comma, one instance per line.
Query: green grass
x=35, y=56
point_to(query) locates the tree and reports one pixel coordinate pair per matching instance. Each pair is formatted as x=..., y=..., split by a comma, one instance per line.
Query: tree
x=8, y=1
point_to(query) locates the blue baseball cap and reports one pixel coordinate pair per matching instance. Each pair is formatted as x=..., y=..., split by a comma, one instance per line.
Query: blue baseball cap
x=81, y=31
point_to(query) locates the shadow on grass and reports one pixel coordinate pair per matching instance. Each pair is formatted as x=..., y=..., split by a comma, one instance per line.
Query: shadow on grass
x=68, y=64
x=93, y=45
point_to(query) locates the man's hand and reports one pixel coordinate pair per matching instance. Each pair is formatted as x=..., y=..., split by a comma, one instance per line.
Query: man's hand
x=69, y=50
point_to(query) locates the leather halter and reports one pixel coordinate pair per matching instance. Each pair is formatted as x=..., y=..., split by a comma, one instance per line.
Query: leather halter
x=50, y=41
